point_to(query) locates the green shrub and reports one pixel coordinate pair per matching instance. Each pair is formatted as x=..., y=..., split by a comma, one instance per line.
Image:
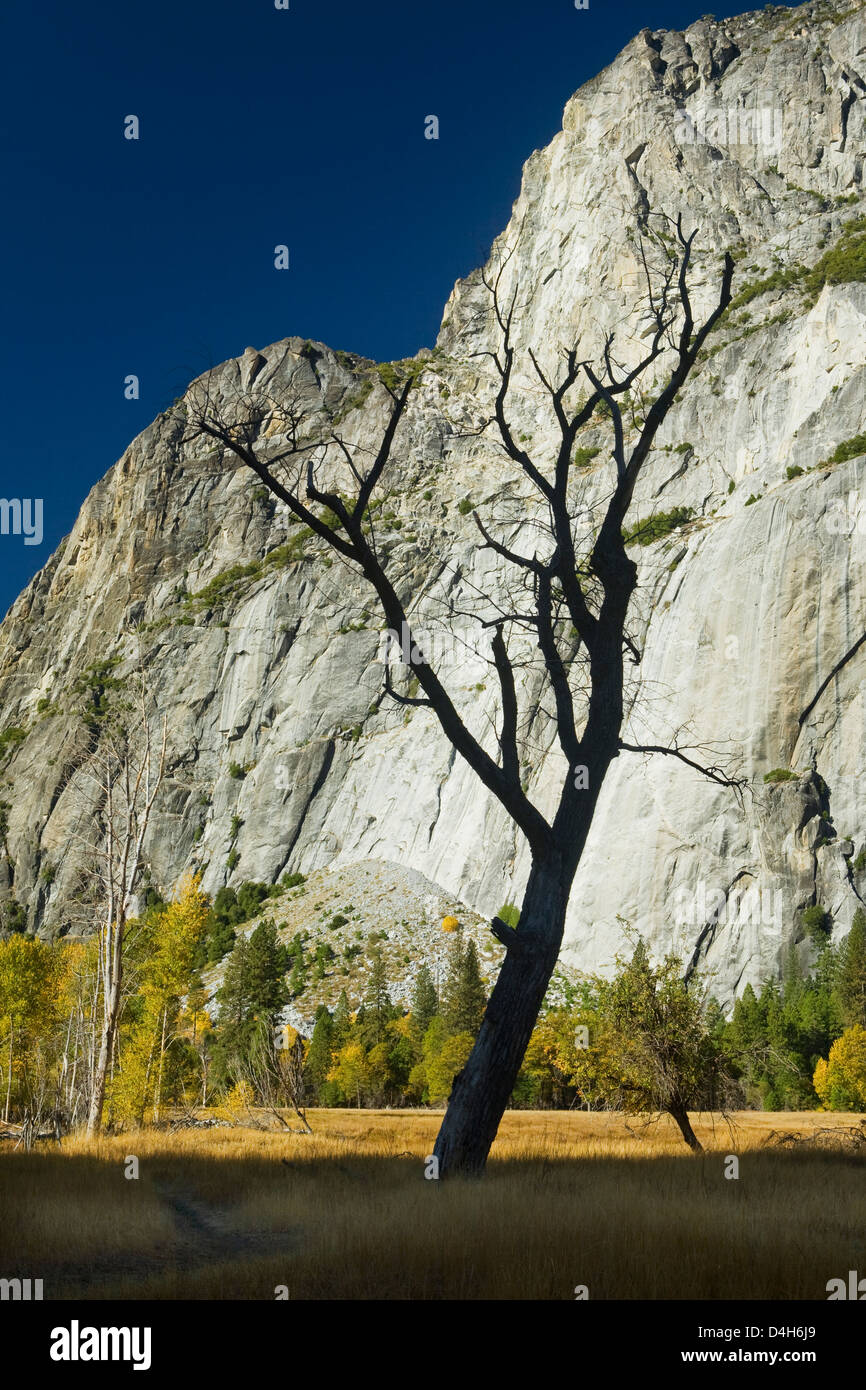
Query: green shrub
x=233, y=860
x=464, y=506
x=230, y=908
x=655, y=527
x=780, y=279
x=844, y=263
x=583, y=457
x=221, y=587
x=387, y=374
x=96, y=684
x=292, y=880
x=237, y=771
x=509, y=914
x=10, y=738
x=848, y=449
x=793, y=471
x=751, y=499
x=780, y=774
x=354, y=401
x=817, y=921
x=286, y=554
x=14, y=916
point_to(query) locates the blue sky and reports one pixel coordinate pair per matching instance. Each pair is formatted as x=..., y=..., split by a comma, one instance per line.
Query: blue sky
x=258, y=127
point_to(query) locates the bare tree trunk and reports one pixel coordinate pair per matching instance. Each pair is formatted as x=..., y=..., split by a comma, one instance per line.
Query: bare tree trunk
x=9, y=1075
x=103, y=1061
x=681, y=1116
x=128, y=789
x=158, y=1088
x=481, y=1092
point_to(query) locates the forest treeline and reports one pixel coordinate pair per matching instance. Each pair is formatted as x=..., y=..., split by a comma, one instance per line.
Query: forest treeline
x=643, y=1039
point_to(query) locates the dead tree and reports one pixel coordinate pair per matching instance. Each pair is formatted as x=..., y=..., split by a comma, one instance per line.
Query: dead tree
x=575, y=603
x=273, y=1070
x=124, y=776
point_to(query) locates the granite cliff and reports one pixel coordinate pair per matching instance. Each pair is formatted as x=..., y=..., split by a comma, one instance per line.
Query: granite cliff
x=268, y=662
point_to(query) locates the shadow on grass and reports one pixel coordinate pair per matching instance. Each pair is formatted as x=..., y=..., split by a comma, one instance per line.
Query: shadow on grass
x=236, y=1214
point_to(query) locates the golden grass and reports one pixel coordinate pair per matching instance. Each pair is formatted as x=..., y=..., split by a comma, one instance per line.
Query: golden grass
x=569, y=1198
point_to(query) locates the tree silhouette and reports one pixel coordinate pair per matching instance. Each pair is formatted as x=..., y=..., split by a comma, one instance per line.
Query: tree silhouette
x=557, y=651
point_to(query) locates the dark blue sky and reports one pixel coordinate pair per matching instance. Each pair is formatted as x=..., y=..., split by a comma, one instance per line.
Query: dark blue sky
x=258, y=127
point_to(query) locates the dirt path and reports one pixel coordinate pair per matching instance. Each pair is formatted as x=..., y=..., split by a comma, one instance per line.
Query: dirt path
x=201, y=1239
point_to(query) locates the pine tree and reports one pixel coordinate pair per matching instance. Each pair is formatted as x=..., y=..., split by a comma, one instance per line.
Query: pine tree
x=298, y=978
x=254, y=988
x=378, y=1002
x=342, y=1020
x=233, y=997
x=425, y=1000
x=267, y=964
x=220, y=941
x=465, y=995
x=324, y=956
x=851, y=978
x=321, y=1052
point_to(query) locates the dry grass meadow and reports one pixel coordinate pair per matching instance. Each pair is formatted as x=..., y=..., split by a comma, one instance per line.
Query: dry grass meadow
x=569, y=1198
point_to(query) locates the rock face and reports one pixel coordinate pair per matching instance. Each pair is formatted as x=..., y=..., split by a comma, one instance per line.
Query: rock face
x=754, y=131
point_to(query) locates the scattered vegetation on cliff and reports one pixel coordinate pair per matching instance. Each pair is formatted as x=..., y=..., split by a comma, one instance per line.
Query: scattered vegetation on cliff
x=10, y=739
x=656, y=527
x=844, y=263
x=848, y=449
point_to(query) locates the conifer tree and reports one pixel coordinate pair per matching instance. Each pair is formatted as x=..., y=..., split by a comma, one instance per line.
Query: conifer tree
x=267, y=964
x=342, y=1020
x=425, y=1000
x=254, y=988
x=321, y=1051
x=378, y=1002
x=298, y=978
x=851, y=978
x=465, y=995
